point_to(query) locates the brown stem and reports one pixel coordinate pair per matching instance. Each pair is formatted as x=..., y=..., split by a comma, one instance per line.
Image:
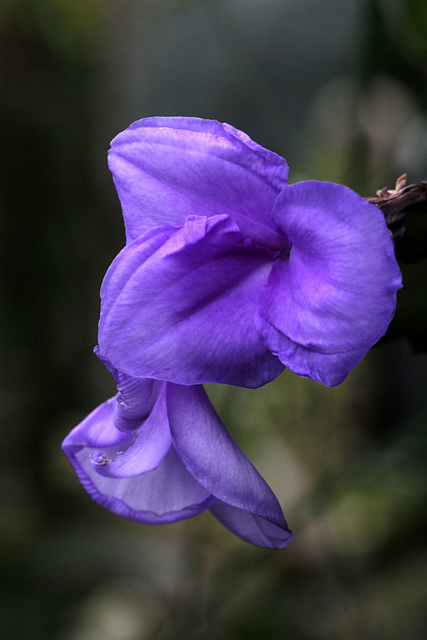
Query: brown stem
x=397, y=205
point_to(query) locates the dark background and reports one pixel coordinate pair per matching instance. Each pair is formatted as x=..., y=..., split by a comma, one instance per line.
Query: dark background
x=339, y=89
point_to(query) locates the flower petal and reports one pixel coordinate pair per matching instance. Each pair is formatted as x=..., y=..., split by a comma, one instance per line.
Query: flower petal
x=165, y=169
x=251, y=527
x=136, y=397
x=145, y=452
x=213, y=458
x=184, y=311
x=97, y=430
x=333, y=297
x=166, y=494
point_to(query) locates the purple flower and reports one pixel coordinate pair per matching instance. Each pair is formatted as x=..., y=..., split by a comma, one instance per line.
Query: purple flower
x=229, y=274
x=157, y=452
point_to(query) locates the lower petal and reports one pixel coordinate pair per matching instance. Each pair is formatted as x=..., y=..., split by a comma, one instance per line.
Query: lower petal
x=212, y=456
x=164, y=494
x=251, y=527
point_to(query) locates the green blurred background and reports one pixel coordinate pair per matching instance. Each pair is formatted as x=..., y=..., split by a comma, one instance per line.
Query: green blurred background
x=339, y=89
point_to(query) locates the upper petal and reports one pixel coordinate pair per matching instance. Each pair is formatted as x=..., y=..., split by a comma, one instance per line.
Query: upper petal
x=333, y=297
x=165, y=169
x=213, y=458
x=182, y=309
x=166, y=493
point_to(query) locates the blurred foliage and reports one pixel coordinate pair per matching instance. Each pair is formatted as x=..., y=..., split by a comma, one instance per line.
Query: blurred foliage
x=340, y=90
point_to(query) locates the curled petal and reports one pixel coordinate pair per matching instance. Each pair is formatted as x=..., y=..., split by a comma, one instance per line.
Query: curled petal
x=249, y=507
x=136, y=397
x=183, y=310
x=333, y=296
x=165, y=494
x=146, y=451
x=166, y=169
x=97, y=430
